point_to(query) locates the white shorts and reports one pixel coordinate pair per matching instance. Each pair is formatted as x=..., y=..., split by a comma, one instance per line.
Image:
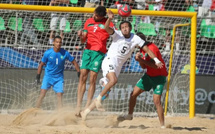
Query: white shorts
x=54, y=21
x=110, y=65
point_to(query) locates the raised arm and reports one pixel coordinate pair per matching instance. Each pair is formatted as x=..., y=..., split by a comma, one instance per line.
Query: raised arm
x=63, y=1
x=107, y=23
x=158, y=63
x=56, y=2
x=151, y=2
x=102, y=2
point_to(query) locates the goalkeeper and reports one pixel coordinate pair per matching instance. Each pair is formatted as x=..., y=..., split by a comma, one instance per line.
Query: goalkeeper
x=54, y=60
x=123, y=44
x=154, y=78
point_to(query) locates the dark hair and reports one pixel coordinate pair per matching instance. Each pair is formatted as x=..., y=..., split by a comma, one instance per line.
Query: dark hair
x=57, y=37
x=141, y=35
x=129, y=24
x=101, y=11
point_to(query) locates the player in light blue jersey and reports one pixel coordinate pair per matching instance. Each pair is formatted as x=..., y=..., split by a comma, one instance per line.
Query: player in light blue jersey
x=54, y=60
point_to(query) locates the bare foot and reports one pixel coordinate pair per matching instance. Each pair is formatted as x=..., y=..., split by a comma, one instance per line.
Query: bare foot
x=99, y=105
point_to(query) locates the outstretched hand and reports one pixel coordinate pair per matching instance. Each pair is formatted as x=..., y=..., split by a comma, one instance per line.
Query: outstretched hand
x=159, y=65
x=110, y=14
x=80, y=33
x=138, y=56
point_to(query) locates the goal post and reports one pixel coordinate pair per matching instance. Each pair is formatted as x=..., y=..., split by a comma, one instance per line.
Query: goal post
x=169, y=71
x=191, y=15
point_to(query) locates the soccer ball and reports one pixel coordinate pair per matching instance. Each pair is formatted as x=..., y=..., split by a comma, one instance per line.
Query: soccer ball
x=124, y=10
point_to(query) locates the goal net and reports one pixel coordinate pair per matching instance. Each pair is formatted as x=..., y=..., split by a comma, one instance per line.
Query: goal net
x=25, y=37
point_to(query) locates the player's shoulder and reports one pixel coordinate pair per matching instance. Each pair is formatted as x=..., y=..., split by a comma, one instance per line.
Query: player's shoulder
x=62, y=50
x=151, y=45
x=117, y=34
x=90, y=20
x=49, y=50
x=135, y=37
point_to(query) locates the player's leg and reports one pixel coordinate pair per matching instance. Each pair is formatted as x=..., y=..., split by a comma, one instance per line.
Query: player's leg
x=59, y=100
x=41, y=97
x=62, y=26
x=142, y=85
x=53, y=26
x=157, y=102
x=103, y=81
x=58, y=87
x=46, y=84
x=94, y=66
x=158, y=85
x=91, y=90
x=84, y=69
x=132, y=102
x=87, y=110
x=112, y=80
x=26, y=27
x=81, y=90
x=133, y=98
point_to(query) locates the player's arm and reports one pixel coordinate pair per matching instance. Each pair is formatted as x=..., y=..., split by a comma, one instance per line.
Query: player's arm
x=39, y=71
x=77, y=68
x=152, y=55
x=82, y=35
x=152, y=2
x=63, y=1
x=144, y=63
x=51, y=2
x=107, y=23
x=102, y=2
x=40, y=67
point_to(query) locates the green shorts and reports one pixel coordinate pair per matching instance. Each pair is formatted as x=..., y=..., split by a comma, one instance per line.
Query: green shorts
x=92, y=60
x=147, y=82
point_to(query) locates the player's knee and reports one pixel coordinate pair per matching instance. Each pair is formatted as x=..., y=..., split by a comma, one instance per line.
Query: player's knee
x=113, y=81
x=59, y=95
x=83, y=78
x=93, y=79
x=133, y=96
x=157, y=102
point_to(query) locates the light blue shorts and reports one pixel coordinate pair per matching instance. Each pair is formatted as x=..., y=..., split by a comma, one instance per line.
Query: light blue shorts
x=56, y=83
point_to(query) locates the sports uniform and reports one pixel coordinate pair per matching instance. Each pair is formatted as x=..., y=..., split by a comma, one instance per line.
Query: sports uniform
x=96, y=44
x=154, y=78
x=120, y=50
x=54, y=69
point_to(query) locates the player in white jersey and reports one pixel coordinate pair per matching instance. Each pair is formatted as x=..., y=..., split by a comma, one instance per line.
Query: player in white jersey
x=123, y=44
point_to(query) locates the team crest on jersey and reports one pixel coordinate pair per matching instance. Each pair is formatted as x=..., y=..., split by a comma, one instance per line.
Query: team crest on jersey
x=89, y=25
x=61, y=57
x=101, y=26
x=96, y=63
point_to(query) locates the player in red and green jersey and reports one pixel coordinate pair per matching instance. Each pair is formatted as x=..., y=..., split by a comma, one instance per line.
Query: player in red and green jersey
x=93, y=55
x=154, y=78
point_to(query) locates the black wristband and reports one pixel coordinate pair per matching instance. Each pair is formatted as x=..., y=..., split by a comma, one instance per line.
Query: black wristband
x=78, y=73
x=38, y=76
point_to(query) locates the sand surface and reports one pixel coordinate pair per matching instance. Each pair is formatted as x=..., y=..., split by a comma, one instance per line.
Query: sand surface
x=35, y=121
